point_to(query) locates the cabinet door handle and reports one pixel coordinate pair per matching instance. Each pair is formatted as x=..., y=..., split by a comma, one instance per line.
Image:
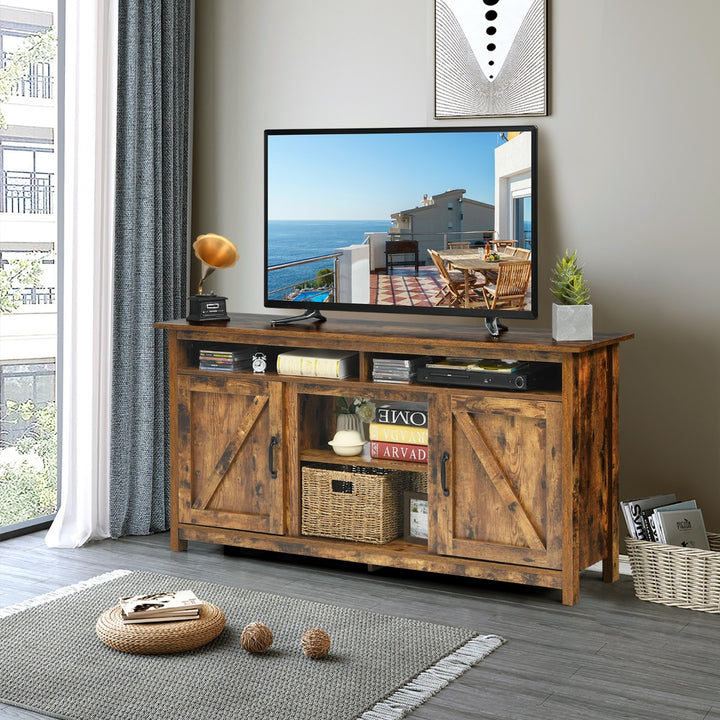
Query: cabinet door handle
x=271, y=455
x=443, y=476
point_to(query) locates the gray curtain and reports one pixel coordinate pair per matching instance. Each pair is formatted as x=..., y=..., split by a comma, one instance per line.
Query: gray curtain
x=150, y=255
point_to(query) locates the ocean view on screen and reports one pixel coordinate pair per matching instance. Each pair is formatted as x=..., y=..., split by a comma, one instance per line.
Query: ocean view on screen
x=290, y=241
x=431, y=220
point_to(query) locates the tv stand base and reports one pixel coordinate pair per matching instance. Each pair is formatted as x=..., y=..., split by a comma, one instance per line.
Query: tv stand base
x=495, y=327
x=307, y=315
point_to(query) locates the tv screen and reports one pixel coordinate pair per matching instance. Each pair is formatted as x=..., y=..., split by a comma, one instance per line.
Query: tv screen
x=416, y=220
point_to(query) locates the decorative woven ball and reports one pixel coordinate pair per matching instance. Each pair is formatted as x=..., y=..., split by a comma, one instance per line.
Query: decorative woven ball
x=315, y=643
x=256, y=637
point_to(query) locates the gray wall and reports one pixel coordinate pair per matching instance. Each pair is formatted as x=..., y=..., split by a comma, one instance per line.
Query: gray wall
x=629, y=167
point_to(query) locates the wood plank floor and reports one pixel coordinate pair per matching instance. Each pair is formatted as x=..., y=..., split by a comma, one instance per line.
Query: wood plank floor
x=610, y=656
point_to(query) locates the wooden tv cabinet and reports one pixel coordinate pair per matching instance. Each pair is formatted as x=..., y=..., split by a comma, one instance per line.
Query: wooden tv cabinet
x=522, y=486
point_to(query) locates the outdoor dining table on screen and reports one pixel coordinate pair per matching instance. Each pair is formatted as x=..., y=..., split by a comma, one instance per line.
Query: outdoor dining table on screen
x=471, y=259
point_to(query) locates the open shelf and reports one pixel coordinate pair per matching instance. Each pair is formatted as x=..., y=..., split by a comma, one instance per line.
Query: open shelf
x=330, y=458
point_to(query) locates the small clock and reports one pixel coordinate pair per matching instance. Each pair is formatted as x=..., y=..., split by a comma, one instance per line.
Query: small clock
x=259, y=363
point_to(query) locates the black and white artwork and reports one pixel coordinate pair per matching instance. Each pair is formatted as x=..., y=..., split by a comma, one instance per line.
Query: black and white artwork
x=490, y=58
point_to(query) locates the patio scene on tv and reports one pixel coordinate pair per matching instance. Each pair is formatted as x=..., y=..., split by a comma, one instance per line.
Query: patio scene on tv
x=414, y=219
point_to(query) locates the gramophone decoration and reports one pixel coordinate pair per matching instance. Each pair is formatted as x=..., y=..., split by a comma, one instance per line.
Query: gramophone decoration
x=215, y=252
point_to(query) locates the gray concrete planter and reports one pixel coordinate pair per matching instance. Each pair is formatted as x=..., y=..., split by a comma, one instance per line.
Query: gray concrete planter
x=572, y=322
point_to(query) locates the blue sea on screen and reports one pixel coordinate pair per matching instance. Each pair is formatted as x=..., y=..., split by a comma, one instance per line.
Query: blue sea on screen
x=292, y=240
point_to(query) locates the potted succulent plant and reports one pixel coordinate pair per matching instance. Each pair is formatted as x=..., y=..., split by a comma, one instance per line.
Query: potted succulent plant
x=572, y=316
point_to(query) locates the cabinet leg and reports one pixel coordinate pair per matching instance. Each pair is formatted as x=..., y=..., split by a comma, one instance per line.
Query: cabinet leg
x=611, y=568
x=177, y=544
x=571, y=590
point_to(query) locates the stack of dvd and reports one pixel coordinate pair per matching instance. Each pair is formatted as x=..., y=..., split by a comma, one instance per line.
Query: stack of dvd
x=225, y=359
x=398, y=369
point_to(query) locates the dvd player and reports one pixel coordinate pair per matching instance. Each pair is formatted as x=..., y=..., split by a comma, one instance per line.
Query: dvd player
x=532, y=377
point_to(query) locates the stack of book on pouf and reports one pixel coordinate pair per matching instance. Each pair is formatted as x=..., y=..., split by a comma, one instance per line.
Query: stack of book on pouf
x=400, y=432
x=160, y=607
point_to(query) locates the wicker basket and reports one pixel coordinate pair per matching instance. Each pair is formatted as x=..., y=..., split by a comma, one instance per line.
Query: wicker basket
x=678, y=576
x=362, y=505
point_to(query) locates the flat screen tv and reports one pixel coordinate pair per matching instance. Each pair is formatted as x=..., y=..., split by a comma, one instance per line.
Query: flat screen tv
x=426, y=221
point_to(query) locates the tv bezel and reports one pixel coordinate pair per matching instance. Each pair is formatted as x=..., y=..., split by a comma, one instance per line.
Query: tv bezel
x=314, y=309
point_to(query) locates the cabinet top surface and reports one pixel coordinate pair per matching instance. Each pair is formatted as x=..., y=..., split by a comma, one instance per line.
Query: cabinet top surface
x=388, y=336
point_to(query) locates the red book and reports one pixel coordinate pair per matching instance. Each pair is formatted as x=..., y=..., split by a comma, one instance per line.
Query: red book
x=398, y=451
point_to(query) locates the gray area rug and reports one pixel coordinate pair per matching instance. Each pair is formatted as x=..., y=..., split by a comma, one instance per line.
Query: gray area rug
x=379, y=667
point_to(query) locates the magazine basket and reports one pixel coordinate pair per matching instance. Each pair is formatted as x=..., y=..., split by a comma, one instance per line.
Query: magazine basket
x=678, y=576
x=360, y=504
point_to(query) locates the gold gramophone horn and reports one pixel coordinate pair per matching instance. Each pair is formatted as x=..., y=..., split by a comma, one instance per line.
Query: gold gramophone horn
x=215, y=252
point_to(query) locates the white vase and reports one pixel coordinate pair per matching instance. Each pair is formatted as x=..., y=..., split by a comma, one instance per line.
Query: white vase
x=350, y=422
x=572, y=322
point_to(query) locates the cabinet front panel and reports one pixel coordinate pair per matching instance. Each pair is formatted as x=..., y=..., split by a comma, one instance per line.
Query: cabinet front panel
x=503, y=481
x=230, y=476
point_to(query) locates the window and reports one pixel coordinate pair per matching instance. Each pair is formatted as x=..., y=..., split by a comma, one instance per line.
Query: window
x=28, y=277
x=522, y=220
x=37, y=82
x=21, y=383
x=27, y=176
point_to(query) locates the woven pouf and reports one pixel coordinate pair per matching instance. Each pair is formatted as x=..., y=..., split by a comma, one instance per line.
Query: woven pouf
x=163, y=637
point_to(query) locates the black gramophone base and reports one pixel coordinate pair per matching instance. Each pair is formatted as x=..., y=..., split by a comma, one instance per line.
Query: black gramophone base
x=207, y=307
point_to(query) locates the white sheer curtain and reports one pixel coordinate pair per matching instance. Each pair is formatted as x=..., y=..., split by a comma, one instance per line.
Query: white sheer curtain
x=87, y=212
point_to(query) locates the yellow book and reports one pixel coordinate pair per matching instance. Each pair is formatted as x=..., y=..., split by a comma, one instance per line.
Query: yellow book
x=318, y=363
x=398, y=434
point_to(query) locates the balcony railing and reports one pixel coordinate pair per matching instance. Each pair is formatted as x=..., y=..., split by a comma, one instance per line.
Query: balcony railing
x=35, y=295
x=442, y=240
x=38, y=82
x=301, y=288
x=26, y=192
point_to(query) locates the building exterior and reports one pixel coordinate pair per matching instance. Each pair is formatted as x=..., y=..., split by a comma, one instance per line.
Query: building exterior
x=513, y=189
x=451, y=217
x=28, y=226
x=449, y=214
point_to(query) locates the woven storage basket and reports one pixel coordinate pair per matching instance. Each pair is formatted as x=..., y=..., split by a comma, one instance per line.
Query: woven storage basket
x=675, y=575
x=414, y=481
x=365, y=506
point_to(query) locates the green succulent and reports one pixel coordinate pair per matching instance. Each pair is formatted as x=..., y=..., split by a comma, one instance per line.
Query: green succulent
x=567, y=282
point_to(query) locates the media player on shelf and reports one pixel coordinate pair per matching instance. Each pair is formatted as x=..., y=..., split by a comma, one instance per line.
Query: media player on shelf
x=496, y=374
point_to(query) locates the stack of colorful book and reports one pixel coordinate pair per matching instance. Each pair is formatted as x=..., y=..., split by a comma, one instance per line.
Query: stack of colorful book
x=400, y=432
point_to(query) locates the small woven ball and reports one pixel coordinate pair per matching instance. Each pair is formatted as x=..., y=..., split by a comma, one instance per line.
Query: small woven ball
x=256, y=637
x=315, y=643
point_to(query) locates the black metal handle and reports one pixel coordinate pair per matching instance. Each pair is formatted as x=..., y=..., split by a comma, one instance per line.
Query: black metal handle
x=271, y=455
x=443, y=477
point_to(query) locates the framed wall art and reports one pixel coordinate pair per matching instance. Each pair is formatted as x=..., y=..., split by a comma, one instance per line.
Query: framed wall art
x=490, y=58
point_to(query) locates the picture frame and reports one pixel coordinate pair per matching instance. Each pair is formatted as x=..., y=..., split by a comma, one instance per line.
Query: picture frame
x=415, y=516
x=490, y=58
